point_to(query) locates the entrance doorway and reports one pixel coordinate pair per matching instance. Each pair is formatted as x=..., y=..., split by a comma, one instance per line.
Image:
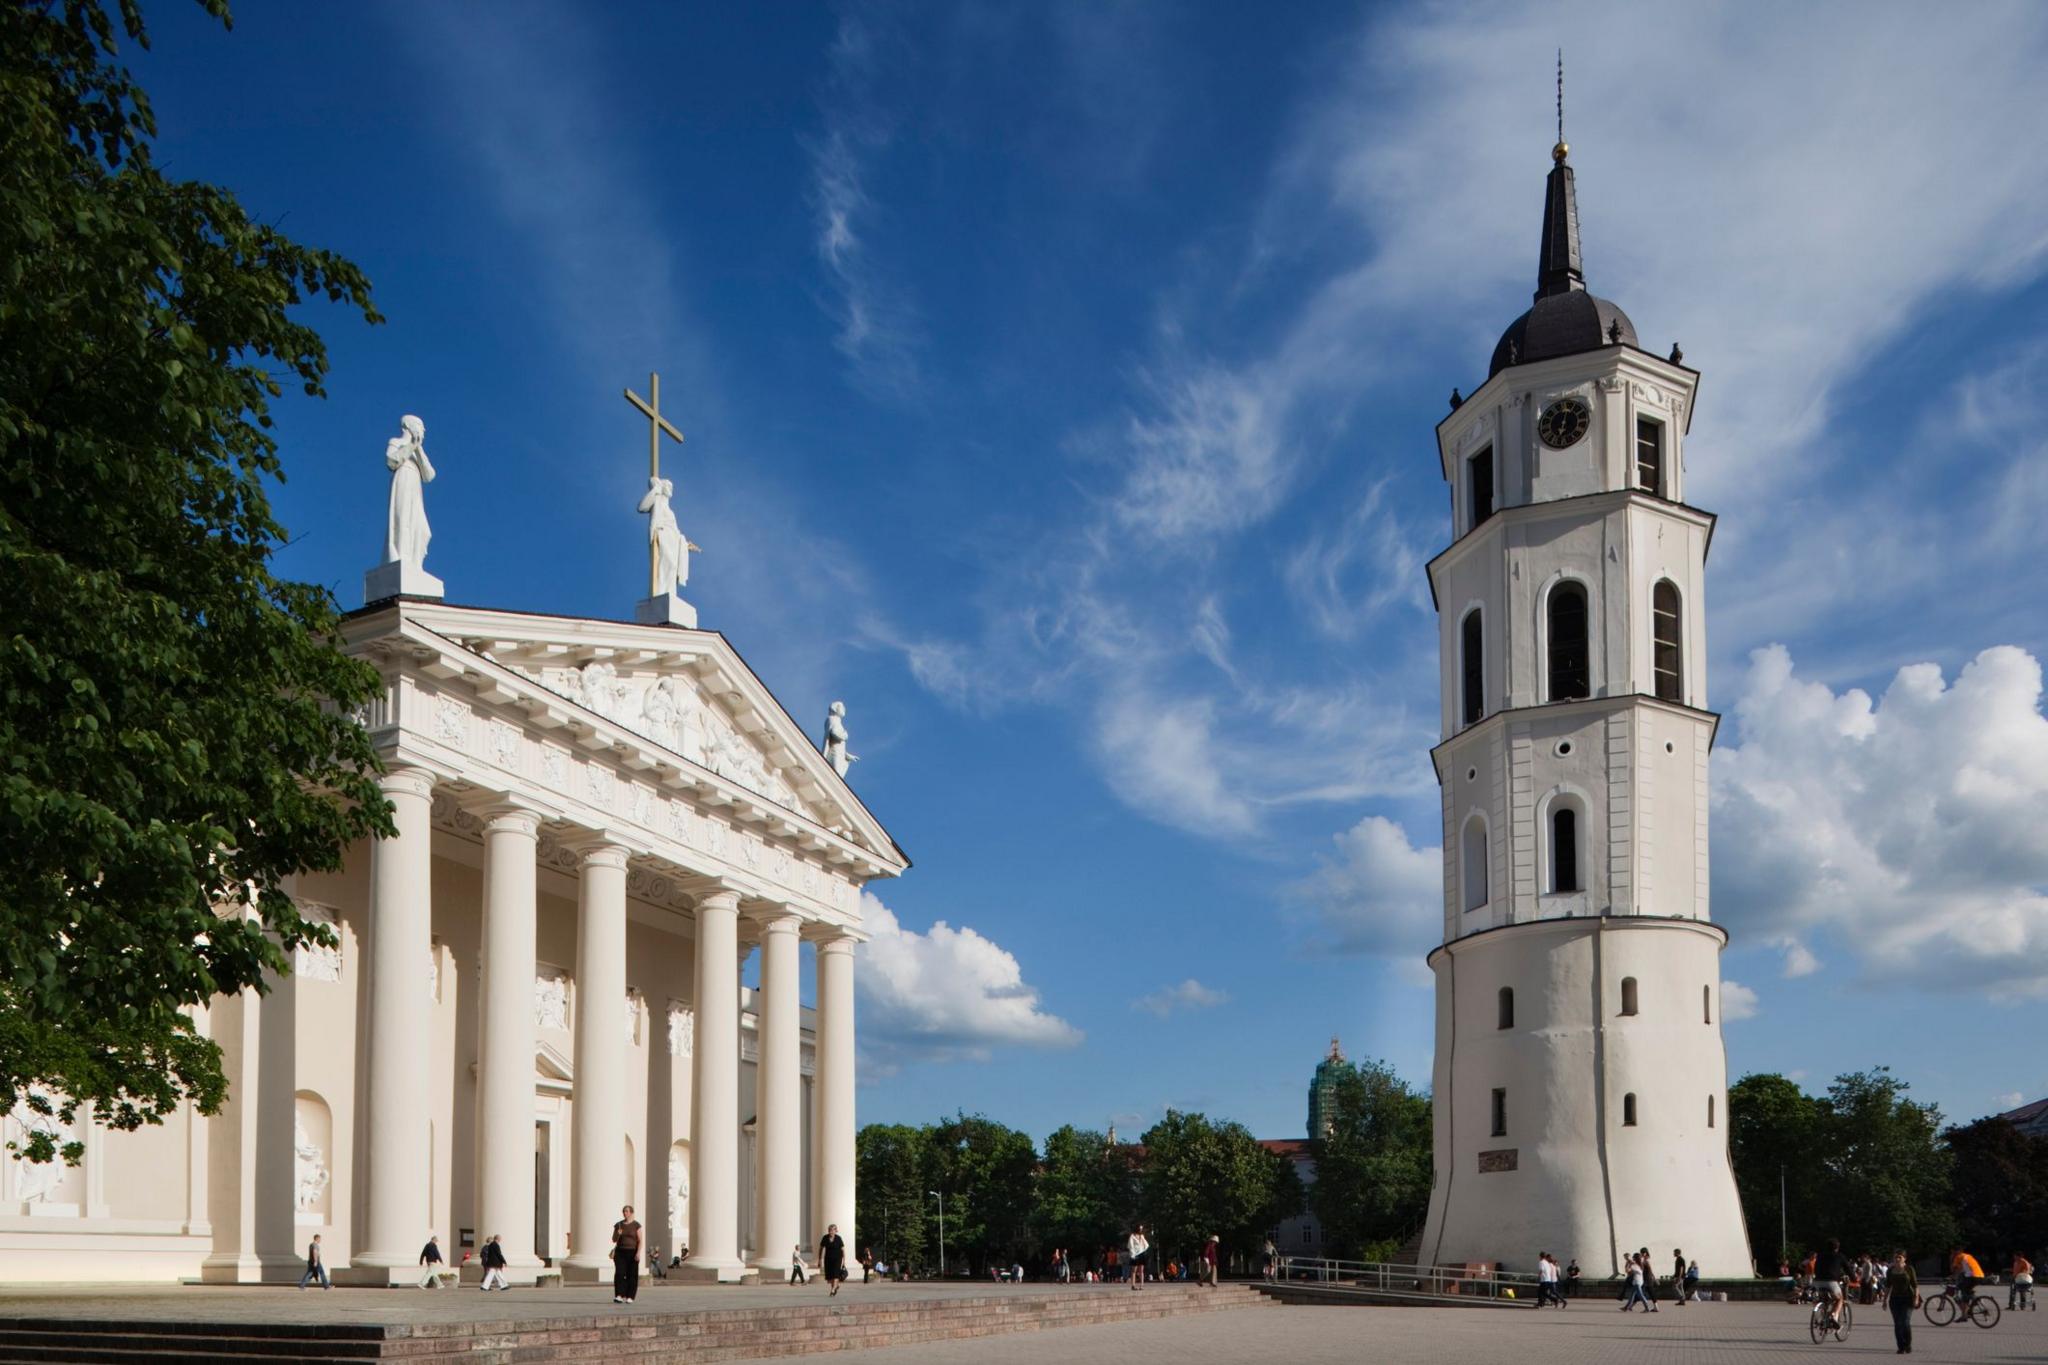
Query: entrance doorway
x=541, y=1194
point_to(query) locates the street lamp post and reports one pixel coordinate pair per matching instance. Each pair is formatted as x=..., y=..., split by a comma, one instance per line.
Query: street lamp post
x=942, y=1230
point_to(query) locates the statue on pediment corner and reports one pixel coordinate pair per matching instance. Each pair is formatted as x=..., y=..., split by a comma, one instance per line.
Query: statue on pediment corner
x=835, y=740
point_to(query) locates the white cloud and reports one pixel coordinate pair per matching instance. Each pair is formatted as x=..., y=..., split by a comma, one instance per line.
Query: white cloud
x=1737, y=1001
x=1159, y=755
x=1379, y=894
x=1188, y=995
x=944, y=994
x=1906, y=830
x=2011, y=1099
x=1207, y=457
x=877, y=323
x=1799, y=959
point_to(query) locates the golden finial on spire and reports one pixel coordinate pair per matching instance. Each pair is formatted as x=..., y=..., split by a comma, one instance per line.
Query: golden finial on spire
x=1563, y=148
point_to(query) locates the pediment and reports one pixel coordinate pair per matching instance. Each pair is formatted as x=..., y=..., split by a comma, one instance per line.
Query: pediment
x=687, y=692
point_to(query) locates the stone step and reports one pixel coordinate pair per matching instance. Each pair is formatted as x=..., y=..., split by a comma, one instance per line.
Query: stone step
x=689, y=1337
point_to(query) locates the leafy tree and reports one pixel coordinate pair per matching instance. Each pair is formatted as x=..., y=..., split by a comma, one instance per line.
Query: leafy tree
x=1202, y=1178
x=1887, y=1172
x=1774, y=1127
x=1374, y=1166
x=2001, y=1187
x=175, y=736
x=890, y=1201
x=1086, y=1195
x=985, y=1171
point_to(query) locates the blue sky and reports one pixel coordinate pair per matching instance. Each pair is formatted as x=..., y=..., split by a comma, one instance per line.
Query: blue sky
x=1059, y=384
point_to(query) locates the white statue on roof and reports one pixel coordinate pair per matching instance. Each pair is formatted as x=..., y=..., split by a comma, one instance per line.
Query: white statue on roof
x=835, y=740
x=407, y=532
x=671, y=547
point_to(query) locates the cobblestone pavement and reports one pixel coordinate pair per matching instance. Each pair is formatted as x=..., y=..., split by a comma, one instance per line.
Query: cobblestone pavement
x=1585, y=1334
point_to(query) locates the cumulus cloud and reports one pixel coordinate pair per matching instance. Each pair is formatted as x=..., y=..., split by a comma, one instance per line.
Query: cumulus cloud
x=1188, y=995
x=2011, y=1099
x=1905, y=829
x=945, y=994
x=1799, y=959
x=1737, y=1002
x=1378, y=893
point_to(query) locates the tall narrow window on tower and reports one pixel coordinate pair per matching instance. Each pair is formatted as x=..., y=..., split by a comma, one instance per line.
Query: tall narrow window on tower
x=1472, y=663
x=1564, y=849
x=1571, y=672
x=1475, y=860
x=1479, y=478
x=1666, y=656
x=1507, y=1006
x=1500, y=1113
x=1650, y=455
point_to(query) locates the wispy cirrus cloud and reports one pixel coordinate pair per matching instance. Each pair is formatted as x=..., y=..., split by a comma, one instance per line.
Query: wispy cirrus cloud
x=1188, y=995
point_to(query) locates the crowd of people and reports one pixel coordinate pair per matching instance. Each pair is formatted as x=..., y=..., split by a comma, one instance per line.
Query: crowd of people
x=1134, y=1262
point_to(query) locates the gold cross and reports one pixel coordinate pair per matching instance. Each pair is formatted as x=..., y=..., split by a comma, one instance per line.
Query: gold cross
x=656, y=425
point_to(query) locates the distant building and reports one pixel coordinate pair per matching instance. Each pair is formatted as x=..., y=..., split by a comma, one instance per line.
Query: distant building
x=2031, y=1119
x=1322, y=1092
x=1301, y=1235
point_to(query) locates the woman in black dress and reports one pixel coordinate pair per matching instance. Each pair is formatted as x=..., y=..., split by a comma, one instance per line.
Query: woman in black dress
x=832, y=1255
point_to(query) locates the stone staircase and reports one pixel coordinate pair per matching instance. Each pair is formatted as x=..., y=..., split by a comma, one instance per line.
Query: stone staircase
x=682, y=1338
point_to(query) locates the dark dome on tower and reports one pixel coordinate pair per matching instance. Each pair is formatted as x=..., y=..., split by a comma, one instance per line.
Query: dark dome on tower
x=1565, y=318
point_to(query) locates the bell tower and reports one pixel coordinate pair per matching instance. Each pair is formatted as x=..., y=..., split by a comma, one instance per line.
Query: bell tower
x=1580, y=1077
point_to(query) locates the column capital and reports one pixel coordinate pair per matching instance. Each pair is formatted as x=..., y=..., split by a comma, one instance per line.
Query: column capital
x=832, y=939
x=716, y=896
x=605, y=855
x=772, y=917
x=407, y=782
x=511, y=817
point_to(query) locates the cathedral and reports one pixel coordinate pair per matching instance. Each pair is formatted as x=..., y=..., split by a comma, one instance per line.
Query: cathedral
x=1580, y=1078
x=533, y=1014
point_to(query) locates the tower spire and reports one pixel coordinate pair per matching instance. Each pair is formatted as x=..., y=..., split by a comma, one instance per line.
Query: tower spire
x=1559, y=269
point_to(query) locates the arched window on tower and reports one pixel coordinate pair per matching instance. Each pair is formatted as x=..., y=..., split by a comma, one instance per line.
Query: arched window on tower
x=1564, y=848
x=1479, y=479
x=1507, y=1006
x=1628, y=1111
x=1628, y=995
x=1571, y=673
x=1474, y=863
x=1472, y=665
x=1666, y=655
x=1650, y=455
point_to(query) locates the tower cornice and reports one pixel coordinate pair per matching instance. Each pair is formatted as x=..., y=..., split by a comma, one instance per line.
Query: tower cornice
x=1484, y=729
x=1601, y=502
x=1632, y=361
x=1570, y=924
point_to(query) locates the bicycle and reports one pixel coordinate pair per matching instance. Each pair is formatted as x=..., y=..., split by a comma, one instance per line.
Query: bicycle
x=1942, y=1309
x=1822, y=1322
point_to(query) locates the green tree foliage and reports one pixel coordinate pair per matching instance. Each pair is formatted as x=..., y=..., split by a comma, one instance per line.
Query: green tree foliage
x=1202, y=1178
x=1374, y=1166
x=890, y=1208
x=174, y=721
x=2001, y=1188
x=1863, y=1163
x=1086, y=1197
x=1775, y=1126
x=986, y=1173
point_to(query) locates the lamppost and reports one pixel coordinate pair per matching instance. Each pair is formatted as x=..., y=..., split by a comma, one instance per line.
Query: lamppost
x=942, y=1230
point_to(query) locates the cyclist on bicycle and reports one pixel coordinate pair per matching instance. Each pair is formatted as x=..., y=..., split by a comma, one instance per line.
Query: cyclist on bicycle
x=1964, y=1268
x=1830, y=1268
x=2022, y=1280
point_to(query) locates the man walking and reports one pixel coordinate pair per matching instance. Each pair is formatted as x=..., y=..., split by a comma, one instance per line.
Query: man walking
x=626, y=1257
x=1678, y=1275
x=316, y=1268
x=493, y=1259
x=1211, y=1250
x=430, y=1264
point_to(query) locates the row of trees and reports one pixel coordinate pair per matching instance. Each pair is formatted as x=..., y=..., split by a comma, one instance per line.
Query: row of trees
x=1871, y=1166
x=1185, y=1178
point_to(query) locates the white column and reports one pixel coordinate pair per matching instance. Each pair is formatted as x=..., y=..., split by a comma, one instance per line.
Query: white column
x=715, y=1080
x=597, y=1126
x=506, y=1043
x=778, y=1095
x=400, y=1036
x=834, y=1087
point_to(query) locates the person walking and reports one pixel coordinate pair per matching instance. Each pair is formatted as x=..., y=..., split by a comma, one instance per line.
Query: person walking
x=1678, y=1275
x=1571, y=1280
x=832, y=1258
x=1546, y=1279
x=1902, y=1297
x=799, y=1273
x=1139, y=1248
x=430, y=1264
x=1633, y=1294
x=626, y=1257
x=2022, y=1280
x=1212, y=1251
x=316, y=1268
x=492, y=1258
x=867, y=1264
x=1649, y=1278
x=1270, y=1255
x=654, y=1264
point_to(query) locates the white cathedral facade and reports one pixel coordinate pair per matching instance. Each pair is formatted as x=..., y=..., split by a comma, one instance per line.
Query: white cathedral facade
x=1580, y=1078
x=535, y=1013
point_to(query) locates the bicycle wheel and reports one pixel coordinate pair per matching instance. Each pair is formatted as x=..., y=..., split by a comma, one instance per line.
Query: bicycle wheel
x=1817, y=1325
x=1940, y=1310
x=1844, y=1322
x=1984, y=1312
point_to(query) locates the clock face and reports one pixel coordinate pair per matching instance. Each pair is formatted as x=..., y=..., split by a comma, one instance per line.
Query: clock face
x=1564, y=422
